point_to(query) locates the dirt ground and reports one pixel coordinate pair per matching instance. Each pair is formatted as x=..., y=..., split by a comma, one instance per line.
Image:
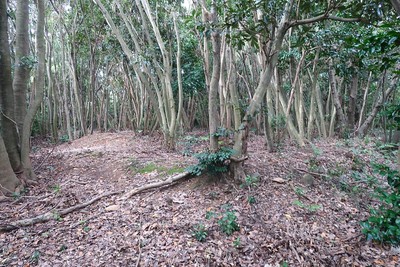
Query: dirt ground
x=300, y=206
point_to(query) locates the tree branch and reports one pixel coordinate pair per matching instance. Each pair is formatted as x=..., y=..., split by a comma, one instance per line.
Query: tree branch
x=322, y=17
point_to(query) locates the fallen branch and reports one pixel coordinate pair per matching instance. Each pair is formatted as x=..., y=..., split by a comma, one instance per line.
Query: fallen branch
x=169, y=181
x=51, y=215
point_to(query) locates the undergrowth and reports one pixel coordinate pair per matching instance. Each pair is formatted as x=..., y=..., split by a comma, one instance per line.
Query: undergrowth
x=384, y=223
x=211, y=162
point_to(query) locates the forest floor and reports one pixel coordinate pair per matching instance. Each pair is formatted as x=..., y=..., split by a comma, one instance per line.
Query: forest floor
x=286, y=217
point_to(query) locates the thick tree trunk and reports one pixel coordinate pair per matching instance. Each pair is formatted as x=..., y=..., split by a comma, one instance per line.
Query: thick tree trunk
x=8, y=180
x=9, y=129
x=36, y=99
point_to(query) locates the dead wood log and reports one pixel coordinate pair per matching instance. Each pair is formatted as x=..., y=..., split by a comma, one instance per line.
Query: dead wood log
x=51, y=215
x=169, y=181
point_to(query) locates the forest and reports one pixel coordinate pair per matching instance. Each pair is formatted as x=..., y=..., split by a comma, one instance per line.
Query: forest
x=199, y=133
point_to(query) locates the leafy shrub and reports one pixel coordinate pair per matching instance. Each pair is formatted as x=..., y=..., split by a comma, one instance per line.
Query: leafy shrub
x=228, y=223
x=384, y=223
x=200, y=232
x=212, y=162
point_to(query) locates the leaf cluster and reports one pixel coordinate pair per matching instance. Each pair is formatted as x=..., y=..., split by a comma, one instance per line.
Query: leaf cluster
x=211, y=162
x=384, y=223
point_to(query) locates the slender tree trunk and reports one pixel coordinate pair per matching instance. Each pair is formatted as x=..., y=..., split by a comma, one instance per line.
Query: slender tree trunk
x=22, y=62
x=361, y=132
x=336, y=100
x=241, y=138
x=364, y=103
x=351, y=109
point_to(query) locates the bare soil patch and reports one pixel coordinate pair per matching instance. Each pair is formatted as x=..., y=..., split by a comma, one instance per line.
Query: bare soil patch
x=283, y=217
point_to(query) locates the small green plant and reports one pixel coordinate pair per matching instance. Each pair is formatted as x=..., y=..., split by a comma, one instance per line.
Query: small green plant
x=284, y=264
x=313, y=164
x=62, y=248
x=228, y=223
x=200, y=232
x=250, y=181
x=210, y=214
x=316, y=151
x=251, y=199
x=35, y=257
x=57, y=216
x=56, y=188
x=311, y=208
x=236, y=242
x=64, y=138
x=384, y=223
x=299, y=191
x=211, y=162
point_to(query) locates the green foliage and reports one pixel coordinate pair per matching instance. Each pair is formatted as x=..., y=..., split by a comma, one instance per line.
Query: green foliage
x=200, y=232
x=211, y=162
x=64, y=138
x=249, y=181
x=310, y=208
x=384, y=223
x=137, y=167
x=251, y=199
x=236, y=242
x=299, y=191
x=62, y=248
x=391, y=112
x=228, y=223
x=28, y=62
x=210, y=214
x=56, y=188
x=35, y=257
x=278, y=122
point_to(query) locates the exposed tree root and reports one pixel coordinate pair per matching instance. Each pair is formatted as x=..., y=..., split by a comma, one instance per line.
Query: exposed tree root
x=51, y=215
x=169, y=181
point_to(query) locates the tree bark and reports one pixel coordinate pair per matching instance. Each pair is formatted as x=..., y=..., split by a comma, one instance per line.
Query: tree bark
x=9, y=129
x=336, y=99
x=8, y=179
x=37, y=98
x=23, y=62
x=361, y=132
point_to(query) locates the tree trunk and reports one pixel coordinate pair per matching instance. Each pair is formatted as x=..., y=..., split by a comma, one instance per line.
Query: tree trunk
x=8, y=180
x=336, y=99
x=9, y=129
x=361, y=132
x=23, y=62
x=39, y=91
x=241, y=138
x=351, y=109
